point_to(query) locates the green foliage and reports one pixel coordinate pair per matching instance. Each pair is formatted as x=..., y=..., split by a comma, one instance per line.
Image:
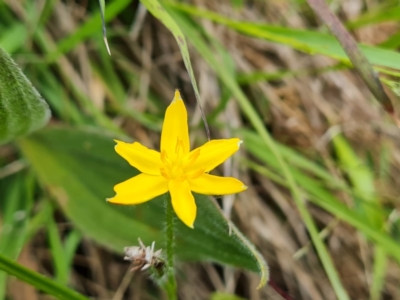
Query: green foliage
x=22, y=109
x=15, y=208
x=80, y=168
x=41, y=282
x=88, y=29
x=318, y=193
x=367, y=202
x=224, y=72
x=311, y=42
x=224, y=296
x=63, y=253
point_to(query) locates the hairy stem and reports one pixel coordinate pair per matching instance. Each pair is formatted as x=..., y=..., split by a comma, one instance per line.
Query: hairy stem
x=170, y=285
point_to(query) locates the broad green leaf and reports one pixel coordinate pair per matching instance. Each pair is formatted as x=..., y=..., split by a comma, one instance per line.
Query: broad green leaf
x=304, y=40
x=80, y=168
x=22, y=109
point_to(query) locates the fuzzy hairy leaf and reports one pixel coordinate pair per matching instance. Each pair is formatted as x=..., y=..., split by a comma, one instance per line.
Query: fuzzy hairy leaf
x=22, y=109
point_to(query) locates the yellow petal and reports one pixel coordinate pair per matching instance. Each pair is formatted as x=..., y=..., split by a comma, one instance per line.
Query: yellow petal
x=139, y=189
x=215, y=185
x=175, y=128
x=183, y=201
x=142, y=158
x=212, y=154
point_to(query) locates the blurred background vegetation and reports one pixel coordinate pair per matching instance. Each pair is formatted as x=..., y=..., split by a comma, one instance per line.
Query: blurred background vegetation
x=316, y=143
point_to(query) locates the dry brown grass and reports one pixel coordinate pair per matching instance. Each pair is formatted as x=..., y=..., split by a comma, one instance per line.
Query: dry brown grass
x=302, y=111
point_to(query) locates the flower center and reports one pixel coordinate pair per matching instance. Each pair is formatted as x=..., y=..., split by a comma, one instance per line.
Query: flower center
x=174, y=166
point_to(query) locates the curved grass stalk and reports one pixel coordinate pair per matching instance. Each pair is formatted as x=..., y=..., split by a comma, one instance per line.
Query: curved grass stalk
x=39, y=281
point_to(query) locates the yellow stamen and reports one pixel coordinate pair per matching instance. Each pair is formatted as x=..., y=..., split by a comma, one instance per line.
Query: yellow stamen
x=192, y=158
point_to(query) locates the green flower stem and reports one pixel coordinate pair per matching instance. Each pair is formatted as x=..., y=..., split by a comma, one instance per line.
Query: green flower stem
x=170, y=285
x=39, y=281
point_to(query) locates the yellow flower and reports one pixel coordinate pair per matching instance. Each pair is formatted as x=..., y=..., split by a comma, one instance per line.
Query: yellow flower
x=176, y=169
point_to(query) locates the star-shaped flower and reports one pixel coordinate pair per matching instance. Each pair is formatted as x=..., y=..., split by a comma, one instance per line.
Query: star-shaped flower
x=176, y=169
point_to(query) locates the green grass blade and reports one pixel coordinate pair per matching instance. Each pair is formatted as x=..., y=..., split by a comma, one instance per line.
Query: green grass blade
x=362, y=180
x=62, y=253
x=39, y=281
x=15, y=207
x=71, y=243
x=379, y=273
x=381, y=14
x=319, y=195
x=79, y=93
x=7, y=38
x=224, y=296
x=307, y=41
x=40, y=219
x=103, y=24
x=46, y=11
x=88, y=29
x=328, y=202
x=392, y=42
x=57, y=252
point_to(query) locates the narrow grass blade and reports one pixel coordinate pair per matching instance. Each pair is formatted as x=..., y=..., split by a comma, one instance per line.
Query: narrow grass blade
x=387, y=11
x=303, y=40
x=87, y=29
x=39, y=281
x=103, y=24
x=363, y=181
x=392, y=42
x=17, y=201
x=62, y=253
x=7, y=37
x=57, y=252
x=379, y=273
x=319, y=195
